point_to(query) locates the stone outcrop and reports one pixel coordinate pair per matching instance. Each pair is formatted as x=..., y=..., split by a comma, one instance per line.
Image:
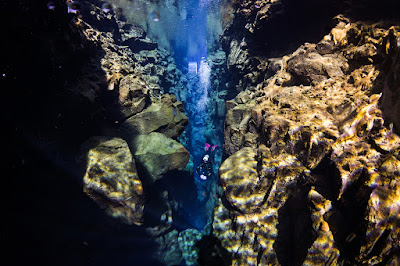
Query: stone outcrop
x=187, y=242
x=314, y=165
x=128, y=76
x=123, y=64
x=133, y=95
x=165, y=116
x=257, y=186
x=169, y=253
x=158, y=154
x=111, y=178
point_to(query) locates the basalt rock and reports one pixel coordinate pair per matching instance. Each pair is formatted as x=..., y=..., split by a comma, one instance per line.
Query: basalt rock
x=313, y=166
x=169, y=251
x=133, y=95
x=165, y=116
x=187, y=241
x=158, y=154
x=122, y=63
x=309, y=66
x=136, y=44
x=111, y=179
x=258, y=186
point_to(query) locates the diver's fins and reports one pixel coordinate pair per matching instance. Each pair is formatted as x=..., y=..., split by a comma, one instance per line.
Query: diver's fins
x=207, y=146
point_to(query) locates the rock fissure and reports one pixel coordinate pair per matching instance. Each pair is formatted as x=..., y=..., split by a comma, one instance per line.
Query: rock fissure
x=301, y=104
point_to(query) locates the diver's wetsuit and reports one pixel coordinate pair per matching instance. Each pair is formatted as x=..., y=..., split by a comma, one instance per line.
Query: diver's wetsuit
x=204, y=169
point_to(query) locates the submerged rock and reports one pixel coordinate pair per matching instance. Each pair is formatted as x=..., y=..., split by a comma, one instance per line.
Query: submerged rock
x=137, y=44
x=158, y=154
x=133, y=95
x=309, y=66
x=313, y=170
x=257, y=186
x=187, y=242
x=111, y=178
x=169, y=252
x=165, y=116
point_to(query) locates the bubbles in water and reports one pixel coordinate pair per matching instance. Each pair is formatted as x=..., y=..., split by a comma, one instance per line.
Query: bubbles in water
x=204, y=72
x=155, y=15
x=51, y=5
x=204, y=2
x=73, y=6
x=202, y=103
x=106, y=7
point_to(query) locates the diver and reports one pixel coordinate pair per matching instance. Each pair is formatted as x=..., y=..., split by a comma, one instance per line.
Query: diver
x=204, y=169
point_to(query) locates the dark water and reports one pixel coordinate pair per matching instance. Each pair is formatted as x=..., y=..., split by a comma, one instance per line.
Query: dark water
x=48, y=219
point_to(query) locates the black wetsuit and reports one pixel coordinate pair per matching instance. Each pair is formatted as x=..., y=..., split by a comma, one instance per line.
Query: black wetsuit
x=205, y=166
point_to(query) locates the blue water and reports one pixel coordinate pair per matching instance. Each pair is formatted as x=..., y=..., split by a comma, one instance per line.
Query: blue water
x=191, y=52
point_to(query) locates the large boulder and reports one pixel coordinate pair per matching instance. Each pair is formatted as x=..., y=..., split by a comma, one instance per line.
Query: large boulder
x=257, y=185
x=111, y=179
x=158, y=154
x=165, y=116
x=309, y=66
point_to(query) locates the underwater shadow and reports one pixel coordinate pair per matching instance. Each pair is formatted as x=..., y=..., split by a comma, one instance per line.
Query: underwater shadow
x=211, y=252
x=287, y=30
x=346, y=218
x=183, y=191
x=52, y=221
x=295, y=231
x=326, y=178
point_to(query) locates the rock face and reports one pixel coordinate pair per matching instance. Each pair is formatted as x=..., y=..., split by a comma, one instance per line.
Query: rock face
x=187, y=243
x=165, y=116
x=111, y=178
x=313, y=169
x=258, y=186
x=159, y=154
x=133, y=95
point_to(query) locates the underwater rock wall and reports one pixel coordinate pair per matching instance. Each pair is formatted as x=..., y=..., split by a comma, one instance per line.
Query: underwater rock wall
x=138, y=73
x=313, y=170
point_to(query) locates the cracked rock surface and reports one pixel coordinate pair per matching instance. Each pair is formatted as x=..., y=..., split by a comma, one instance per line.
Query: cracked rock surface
x=313, y=168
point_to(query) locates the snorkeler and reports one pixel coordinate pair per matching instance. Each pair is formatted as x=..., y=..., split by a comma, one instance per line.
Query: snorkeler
x=204, y=169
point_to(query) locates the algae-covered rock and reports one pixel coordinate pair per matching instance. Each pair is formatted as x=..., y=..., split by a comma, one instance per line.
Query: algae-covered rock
x=169, y=252
x=324, y=250
x=309, y=66
x=236, y=126
x=159, y=154
x=165, y=116
x=111, y=178
x=312, y=176
x=241, y=181
x=257, y=185
x=187, y=240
